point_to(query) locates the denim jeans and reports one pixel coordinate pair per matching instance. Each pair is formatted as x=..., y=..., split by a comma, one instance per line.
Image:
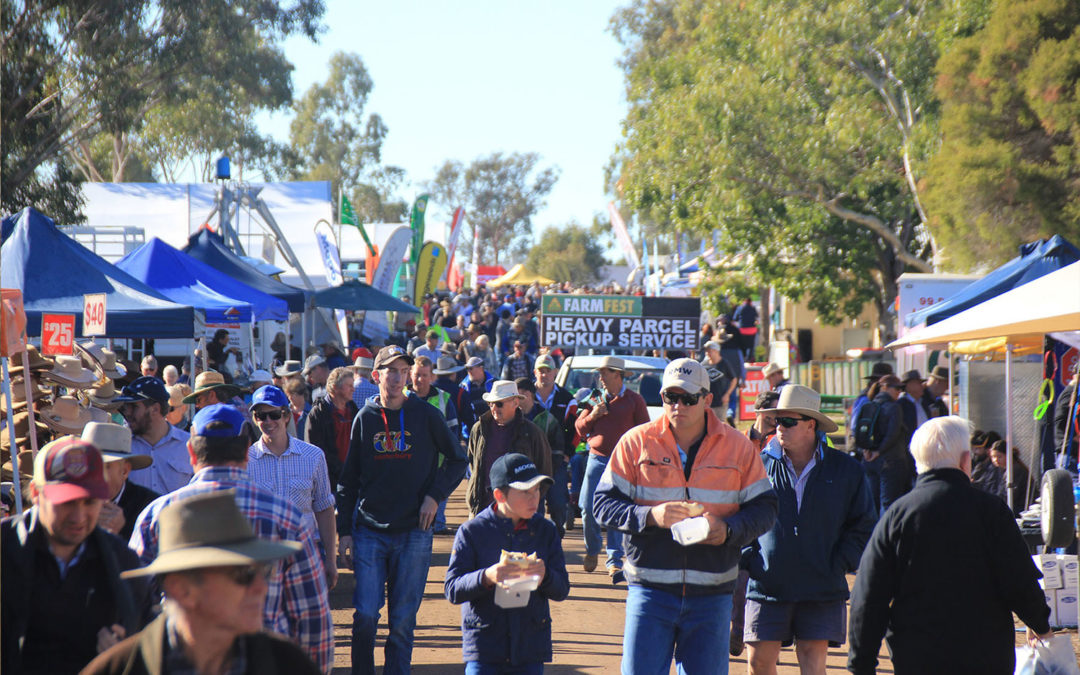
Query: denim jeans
x=593, y=534
x=695, y=629
x=577, y=474
x=396, y=563
x=889, y=478
x=476, y=668
x=558, y=495
x=439, y=524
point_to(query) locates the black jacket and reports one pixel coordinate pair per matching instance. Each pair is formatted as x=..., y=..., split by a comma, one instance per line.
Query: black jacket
x=319, y=431
x=132, y=502
x=944, y=570
x=49, y=625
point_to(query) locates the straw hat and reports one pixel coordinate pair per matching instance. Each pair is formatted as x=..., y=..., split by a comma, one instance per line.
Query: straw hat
x=102, y=360
x=177, y=392
x=37, y=361
x=208, y=380
x=502, y=390
x=114, y=442
x=68, y=371
x=612, y=363
x=208, y=530
x=66, y=415
x=795, y=398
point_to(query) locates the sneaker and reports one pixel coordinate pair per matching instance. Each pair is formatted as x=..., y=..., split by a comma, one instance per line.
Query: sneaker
x=616, y=574
x=590, y=562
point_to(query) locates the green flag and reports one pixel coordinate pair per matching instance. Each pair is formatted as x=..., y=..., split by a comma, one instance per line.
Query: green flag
x=416, y=223
x=349, y=217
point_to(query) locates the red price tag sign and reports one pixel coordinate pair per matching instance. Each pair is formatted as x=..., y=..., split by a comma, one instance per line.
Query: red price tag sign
x=93, y=314
x=57, y=333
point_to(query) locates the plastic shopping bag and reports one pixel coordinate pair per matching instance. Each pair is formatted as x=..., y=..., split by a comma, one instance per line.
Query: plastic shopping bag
x=1051, y=657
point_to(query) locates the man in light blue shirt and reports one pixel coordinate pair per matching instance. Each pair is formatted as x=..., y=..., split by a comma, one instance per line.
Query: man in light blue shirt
x=144, y=405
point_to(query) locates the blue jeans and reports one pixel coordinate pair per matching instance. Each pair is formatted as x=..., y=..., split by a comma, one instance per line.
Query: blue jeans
x=577, y=474
x=477, y=668
x=593, y=535
x=558, y=495
x=439, y=523
x=889, y=478
x=695, y=628
x=395, y=564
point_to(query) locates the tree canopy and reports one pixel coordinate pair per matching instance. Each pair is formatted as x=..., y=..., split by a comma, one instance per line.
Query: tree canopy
x=1009, y=167
x=567, y=253
x=501, y=194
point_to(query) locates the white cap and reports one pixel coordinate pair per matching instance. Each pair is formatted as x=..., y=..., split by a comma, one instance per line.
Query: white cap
x=686, y=374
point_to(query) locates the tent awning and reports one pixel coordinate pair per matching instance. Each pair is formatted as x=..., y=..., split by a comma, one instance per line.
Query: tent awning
x=1049, y=304
x=208, y=247
x=356, y=295
x=54, y=272
x=519, y=275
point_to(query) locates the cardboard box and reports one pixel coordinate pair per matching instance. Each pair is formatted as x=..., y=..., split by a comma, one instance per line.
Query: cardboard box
x=1066, y=608
x=1051, y=571
x=1070, y=571
x=1051, y=602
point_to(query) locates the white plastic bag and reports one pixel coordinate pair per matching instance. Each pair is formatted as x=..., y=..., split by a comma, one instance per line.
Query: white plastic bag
x=1051, y=657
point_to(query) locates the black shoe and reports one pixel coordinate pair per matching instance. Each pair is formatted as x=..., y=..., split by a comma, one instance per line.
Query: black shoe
x=616, y=575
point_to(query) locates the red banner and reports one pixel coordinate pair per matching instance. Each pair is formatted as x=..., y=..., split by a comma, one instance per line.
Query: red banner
x=755, y=384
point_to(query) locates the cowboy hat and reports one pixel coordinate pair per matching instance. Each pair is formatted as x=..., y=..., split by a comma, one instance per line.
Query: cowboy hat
x=21, y=420
x=104, y=395
x=880, y=369
x=795, y=398
x=447, y=365
x=18, y=394
x=37, y=361
x=939, y=373
x=209, y=380
x=771, y=368
x=114, y=442
x=101, y=359
x=26, y=463
x=66, y=415
x=208, y=530
x=502, y=390
x=612, y=363
x=68, y=371
x=910, y=375
x=288, y=368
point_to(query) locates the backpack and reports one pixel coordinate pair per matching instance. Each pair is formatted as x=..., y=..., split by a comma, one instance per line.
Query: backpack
x=867, y=434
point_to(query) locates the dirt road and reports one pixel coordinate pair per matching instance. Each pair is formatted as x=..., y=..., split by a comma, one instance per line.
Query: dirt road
x=587, y=627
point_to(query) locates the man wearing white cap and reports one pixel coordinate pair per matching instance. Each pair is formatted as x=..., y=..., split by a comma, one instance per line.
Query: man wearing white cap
x=722, y=380
x=686, y=465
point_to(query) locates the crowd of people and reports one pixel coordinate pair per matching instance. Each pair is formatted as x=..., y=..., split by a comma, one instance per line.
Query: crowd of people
x=165, y=541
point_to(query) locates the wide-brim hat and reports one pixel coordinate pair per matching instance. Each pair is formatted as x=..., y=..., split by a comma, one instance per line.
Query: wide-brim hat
x=69, y=371
x=939, y=373
x=910, y=375
x=101, y=359
x=501, y=390
x=18, y=394
x=771, y=368
x=447, y=365
x=612, y=363
x=22, y=431
x=208, y=380
x=36, y=360
x=104, y=395
x=880, y=369
x=26, y=463
x=289, y=368
x=208, y=530
x=795, y=398
x=66, y=415
x=114, y=442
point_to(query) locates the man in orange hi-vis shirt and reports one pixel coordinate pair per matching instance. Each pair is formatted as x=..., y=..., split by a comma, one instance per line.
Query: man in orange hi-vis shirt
x=685, y=466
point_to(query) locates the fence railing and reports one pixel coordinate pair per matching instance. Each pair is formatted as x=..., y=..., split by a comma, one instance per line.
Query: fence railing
x=834, y=380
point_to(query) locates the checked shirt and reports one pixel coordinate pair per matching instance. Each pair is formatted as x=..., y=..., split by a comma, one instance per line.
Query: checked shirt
x=297, y=602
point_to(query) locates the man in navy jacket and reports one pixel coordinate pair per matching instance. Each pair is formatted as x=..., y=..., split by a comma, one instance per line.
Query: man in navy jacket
x=797, y=569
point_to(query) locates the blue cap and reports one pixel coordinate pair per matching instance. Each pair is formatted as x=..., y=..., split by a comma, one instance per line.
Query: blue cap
x=219, y=412
x=514, y=470
x=269, y=395
x=144, y=388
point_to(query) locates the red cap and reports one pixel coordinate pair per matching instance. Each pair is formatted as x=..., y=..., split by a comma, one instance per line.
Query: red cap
x=69, y=468
x=361, y=351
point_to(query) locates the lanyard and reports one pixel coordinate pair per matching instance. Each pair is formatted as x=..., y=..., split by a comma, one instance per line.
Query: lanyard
x=401, y=426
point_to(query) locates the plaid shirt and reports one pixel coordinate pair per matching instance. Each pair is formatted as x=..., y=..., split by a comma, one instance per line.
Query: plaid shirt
x=363, y=390
x=297, y=602
x=299, y=475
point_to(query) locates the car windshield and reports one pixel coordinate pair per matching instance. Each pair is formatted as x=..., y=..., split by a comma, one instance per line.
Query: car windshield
x=645, y=381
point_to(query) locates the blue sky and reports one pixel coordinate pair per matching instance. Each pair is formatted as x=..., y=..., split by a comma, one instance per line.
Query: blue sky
x=458, y=80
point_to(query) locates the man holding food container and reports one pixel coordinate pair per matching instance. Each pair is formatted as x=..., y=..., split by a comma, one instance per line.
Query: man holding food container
x=690, y=491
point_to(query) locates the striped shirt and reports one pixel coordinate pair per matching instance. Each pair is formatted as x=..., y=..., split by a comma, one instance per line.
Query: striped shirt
x=297, y=601
x=299, y=475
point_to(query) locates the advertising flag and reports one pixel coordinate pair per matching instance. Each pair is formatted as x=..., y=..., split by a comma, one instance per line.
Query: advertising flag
x=451, y=244
x=623, y=235
x=349, y=217
x=416, y=224
x=429, y=269
x=390, y=260
x=331, y=257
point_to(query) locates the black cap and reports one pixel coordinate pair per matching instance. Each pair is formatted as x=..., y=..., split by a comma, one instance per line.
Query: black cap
x=145, y=388
x=517, y=471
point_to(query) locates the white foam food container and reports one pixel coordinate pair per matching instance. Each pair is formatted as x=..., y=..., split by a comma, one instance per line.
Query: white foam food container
x=515, y=592
x=691, y=530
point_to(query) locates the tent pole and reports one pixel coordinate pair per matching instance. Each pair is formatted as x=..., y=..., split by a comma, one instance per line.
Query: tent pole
x=29, y=409
x=251, y=341
x=1008, y=426
x=17, y=491
x=288, y=338
x=949, y=353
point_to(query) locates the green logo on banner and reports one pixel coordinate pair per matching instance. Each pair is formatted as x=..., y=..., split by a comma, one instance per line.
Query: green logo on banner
x=592, y=305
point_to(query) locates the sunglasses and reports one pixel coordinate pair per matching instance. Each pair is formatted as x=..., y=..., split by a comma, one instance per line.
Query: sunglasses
x=672, y=398
x=269, y=414
x=788, y=422
x=245, y=576
x=496, y=404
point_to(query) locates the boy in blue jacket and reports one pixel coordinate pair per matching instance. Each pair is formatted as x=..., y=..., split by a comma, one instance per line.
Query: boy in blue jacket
x=497, y=640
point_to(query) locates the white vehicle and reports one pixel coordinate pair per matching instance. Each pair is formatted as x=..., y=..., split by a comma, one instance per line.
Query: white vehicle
x=646, y=373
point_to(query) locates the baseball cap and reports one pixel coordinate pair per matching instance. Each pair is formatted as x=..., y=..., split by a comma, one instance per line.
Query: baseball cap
x=269, y=395
x=712, y=344
x=517, y=471
x=219, y=412
x=145, y=388
x=390, y=353
x=686, y=374
x=69, y=468
x=545, y=361
x=474, y=362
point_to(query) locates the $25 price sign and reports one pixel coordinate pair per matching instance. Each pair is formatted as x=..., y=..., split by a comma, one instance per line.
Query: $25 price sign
x=57, y=333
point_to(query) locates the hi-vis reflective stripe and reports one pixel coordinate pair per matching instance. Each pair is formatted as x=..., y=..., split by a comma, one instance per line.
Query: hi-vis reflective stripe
x=714, y=496
x=754, y=489
x=675, y=494
x=640, y=492
x=653, y=575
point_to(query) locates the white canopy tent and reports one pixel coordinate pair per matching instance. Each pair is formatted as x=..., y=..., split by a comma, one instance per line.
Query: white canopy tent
x=1021, y=316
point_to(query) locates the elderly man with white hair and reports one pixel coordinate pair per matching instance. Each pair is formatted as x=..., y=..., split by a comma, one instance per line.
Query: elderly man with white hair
x=944, y=571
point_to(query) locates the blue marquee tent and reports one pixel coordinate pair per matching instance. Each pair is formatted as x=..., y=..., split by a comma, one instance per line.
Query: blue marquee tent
x=356, y=295
x=54, y=272
x=1035, y=260
x=186, y=280
x=208, y=247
